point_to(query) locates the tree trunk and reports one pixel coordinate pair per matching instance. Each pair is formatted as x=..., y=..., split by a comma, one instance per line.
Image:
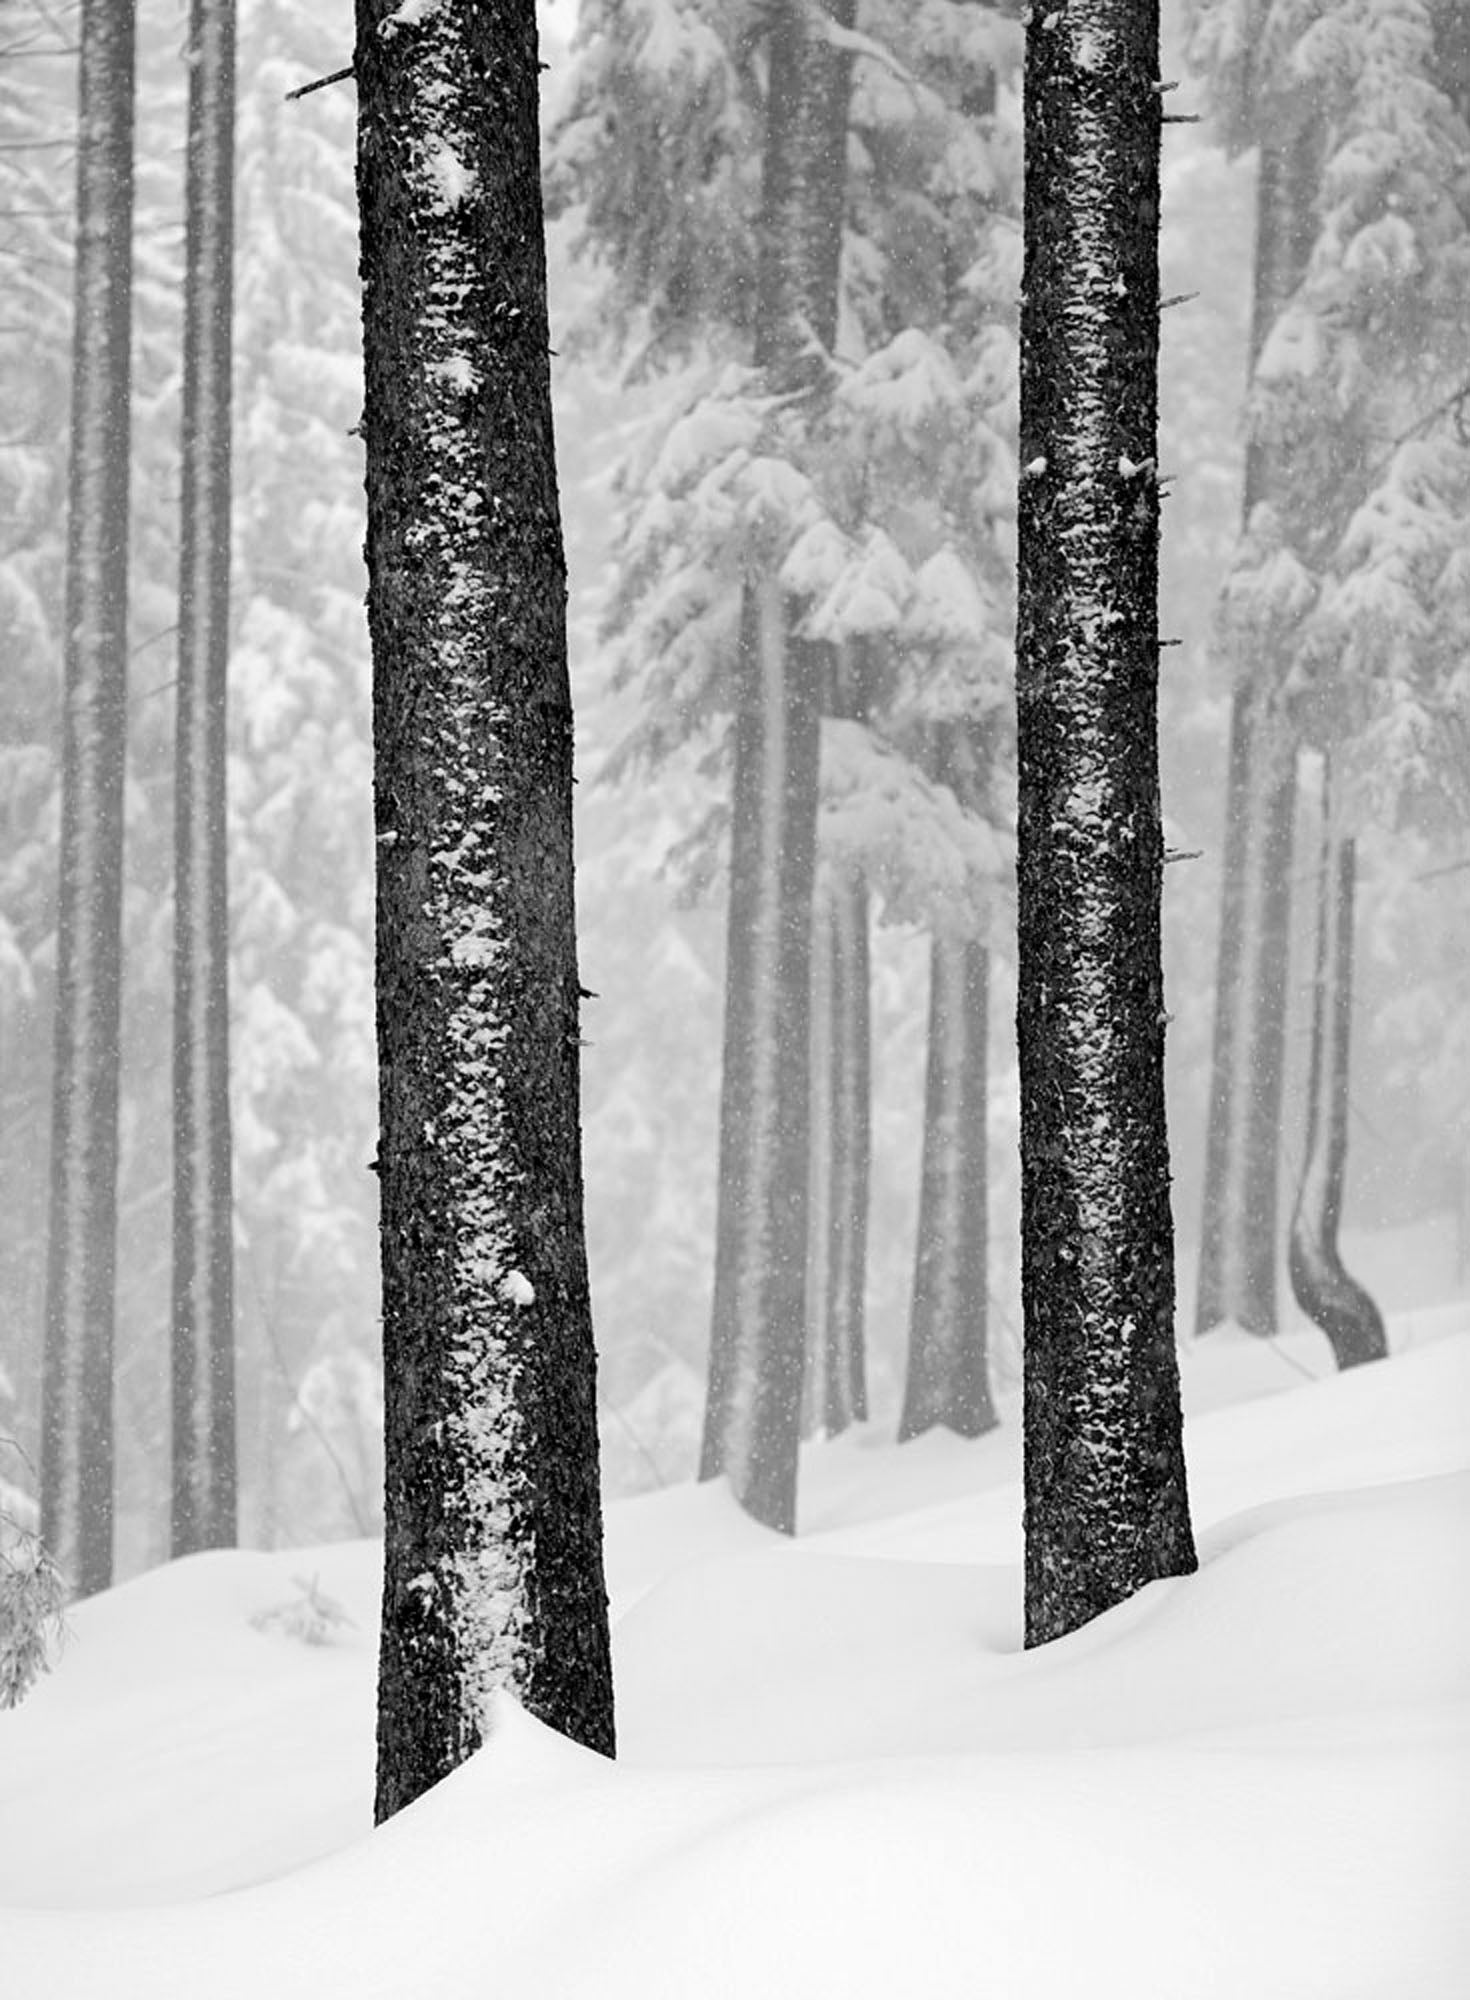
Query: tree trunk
x=77, y=1421
x=753, y=1409
x=1329, y=1296
x=492, y=1566
x=203, y=1344
x=948, y=1377
x=1106, y=1505
x=836, y=1375
x=1238, y=1242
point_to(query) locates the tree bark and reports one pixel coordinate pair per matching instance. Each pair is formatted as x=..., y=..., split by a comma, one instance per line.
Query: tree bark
x=203, y=1318
x=758, y=1332
x=1238, y=1239
x=1326, y=1292
x=77, y=1398
x=492, y=1566
x=1106, y=1505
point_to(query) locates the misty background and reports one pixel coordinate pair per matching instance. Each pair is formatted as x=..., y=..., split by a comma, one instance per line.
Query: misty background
x=650, y=904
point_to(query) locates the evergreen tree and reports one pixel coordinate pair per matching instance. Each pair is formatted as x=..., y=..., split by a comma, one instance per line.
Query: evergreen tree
x=847, y=496
x=1238, y=1235
x=1106, y=1506
x=77, y=1442
x=203, y=1327
x=493, y=1567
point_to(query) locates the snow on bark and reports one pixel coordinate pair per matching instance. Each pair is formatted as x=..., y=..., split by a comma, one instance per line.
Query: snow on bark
x=1106, y=1509
x=77, y=1428
x=493, y=1569
x=203, y=1330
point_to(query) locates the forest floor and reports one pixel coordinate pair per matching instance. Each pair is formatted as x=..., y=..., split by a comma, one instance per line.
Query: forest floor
x=839, y=1774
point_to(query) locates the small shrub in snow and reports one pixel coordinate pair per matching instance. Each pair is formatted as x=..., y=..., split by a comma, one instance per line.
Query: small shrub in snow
x=32, y=1597
x=314, y=1618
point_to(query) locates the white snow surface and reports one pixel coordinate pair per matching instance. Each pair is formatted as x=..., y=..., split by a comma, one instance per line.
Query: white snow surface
x=839, y=1774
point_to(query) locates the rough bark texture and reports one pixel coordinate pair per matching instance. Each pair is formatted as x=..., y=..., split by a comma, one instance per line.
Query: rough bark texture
x=1238, y=1232
x=948, y=1374
x=758, y=1332
x=203, y=1333
x=77, y=1430
x=1326, y=1292
x=493, y=1568
x=1106, y=1507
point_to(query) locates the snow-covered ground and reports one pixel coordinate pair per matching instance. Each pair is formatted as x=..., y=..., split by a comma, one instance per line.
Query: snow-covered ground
x=839, y=1774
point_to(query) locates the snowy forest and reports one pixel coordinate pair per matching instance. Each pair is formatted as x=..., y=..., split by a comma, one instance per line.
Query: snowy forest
x=812, y=1070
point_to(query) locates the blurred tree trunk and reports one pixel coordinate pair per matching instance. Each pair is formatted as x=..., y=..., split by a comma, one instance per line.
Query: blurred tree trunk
x=77, y=1399
x=493, y=1575
x=752, y=1422
x=203, y=1344
x=948, y=1375
x=1106, y=1504
x=1326, y=1292
x=1238, y=1232
x=841, y=1142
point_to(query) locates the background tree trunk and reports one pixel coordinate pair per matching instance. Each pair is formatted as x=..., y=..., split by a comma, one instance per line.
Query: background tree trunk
x=948, y=1375
x=1326, y=1292
x=493, y=1567
x=1238, y=1232
x=203, y=1344
x=1106, y=1507
x=752, y=1422
x=77, y=1412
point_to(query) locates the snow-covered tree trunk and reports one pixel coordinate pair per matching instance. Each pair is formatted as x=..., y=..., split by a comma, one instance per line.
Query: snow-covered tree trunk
x=493, y=1574
x=1325, y=1290
x=203, y=1344
x=77, y=1427
x=947, y=1380
x=1106, y=1506
x=758, y=1330
x=1238, y=1232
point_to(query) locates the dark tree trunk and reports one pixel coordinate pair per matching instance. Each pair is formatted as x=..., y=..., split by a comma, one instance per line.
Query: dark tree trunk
x=948, y=1375
x=1106, y=1505
x=1325, y=1291
x=493, y=1566
x=77, y=1427
x=203, y=1343
x=1238, y=1239
x=752, y=1423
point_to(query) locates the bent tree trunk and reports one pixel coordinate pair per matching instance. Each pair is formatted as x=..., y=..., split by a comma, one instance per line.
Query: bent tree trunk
x=1238, y=1240
x=203, y=1329
x=1326, y=1292
x=752, y=1427
x=1106, y=1507
x=77, y=1427
x=493, y=1556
